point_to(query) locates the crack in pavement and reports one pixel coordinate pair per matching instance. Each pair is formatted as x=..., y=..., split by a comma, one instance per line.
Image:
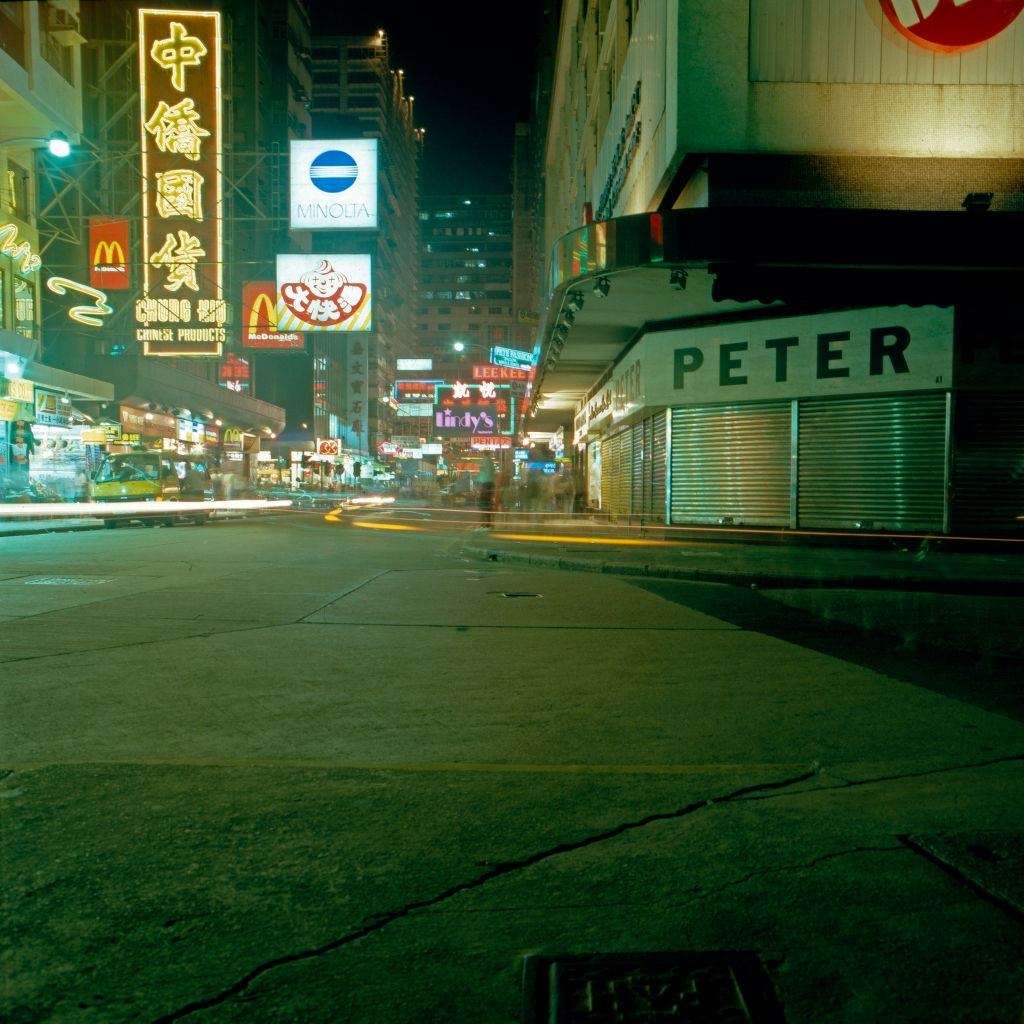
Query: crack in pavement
x=379, y=921
x=1008, y=908
x=874, y=779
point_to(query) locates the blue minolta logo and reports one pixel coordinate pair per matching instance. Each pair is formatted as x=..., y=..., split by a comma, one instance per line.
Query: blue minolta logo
x=333, y=171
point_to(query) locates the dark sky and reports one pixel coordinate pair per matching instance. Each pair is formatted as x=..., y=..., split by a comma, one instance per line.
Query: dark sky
x=472, y=79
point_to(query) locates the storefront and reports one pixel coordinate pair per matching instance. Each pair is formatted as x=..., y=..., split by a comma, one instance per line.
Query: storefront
x=888, y=419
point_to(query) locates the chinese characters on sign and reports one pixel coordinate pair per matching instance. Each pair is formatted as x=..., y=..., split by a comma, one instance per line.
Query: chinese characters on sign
x=324, y=293
x=182, y=311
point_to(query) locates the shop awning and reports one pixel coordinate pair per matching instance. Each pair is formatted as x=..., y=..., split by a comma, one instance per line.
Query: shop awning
x=613, y=280
x=137, y=382
x=71, y=384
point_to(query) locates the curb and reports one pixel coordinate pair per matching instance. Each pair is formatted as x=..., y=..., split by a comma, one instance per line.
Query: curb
x=757, y=580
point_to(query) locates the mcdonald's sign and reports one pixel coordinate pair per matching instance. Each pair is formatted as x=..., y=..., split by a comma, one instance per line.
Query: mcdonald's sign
x=259, y=319
x=108, y=254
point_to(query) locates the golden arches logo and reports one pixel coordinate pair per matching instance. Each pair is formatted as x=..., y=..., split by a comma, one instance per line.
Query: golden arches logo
x=266, y=303
x=108, y=254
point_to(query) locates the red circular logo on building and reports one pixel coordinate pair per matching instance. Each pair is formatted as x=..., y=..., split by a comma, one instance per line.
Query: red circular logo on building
x=951, y=25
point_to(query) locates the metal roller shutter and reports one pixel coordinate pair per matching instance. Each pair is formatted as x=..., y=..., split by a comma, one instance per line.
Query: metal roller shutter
x=616, y=473
x=731, y=464
x=658, y=464
x=872, y=463
x=988, y=463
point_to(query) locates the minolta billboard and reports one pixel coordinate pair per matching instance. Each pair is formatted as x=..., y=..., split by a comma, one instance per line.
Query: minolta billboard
x=333, y=184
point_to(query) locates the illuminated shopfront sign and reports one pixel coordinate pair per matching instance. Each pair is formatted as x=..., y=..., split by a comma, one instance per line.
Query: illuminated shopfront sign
x=490, y=442
x=502, y=356
x=108, y=254
x=410, y=409
x=951, y=26
x=182, y=311
x=406, y=365
x=324, y=293
x=333, y=184
x=52, y=410
x=502, y=374
x=259, y=319
x=18, y=389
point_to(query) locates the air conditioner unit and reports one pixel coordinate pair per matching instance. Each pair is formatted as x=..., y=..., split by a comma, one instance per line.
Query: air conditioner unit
x=63, y=26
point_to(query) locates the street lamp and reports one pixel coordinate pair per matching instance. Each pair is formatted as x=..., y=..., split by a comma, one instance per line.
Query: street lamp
x=56, y=142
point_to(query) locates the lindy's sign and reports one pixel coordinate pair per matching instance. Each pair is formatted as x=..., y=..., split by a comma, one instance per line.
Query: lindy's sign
x=865, y=351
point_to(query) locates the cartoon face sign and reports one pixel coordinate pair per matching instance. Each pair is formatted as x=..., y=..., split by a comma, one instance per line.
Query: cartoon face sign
x=323, y=297
x=950, y=26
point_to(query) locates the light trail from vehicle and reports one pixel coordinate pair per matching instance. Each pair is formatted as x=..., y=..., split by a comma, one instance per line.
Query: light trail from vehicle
x=104, y=509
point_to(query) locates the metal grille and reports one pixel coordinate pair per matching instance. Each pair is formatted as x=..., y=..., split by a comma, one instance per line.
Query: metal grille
x=731, y=464
x=649, y=457
x=988, y=462
x=872, y=463
x=617, y=473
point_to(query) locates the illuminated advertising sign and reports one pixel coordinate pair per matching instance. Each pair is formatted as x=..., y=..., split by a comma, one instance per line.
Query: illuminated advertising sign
x=951, y=26
x=333, y=184
x=517, y=357
x=502, y=373
x=490, y=442
x=415, y=390
x=108, y=254
x=414, y=364
x=415, y=409
x=324, y=293
x=182, y=311
x=431, y=448
x=50, y=410
x=259, y=319
x=471, y=419
x=235, y=374
x=18, y=389
x=329, y=446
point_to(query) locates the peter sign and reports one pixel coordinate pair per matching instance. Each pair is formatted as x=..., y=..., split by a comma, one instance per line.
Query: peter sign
x=333, y=184
x=864, y=351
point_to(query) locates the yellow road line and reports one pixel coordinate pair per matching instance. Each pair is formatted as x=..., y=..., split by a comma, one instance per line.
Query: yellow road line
x=613, y=541
x=424, y=767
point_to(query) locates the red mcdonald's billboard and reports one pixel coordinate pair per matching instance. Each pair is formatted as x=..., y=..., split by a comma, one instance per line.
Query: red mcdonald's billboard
x=108, y=254
x=259, y=319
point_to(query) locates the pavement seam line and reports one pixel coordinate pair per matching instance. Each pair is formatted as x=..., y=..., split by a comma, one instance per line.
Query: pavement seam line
x=303, y=620
x=379, y=921
x=966, y=881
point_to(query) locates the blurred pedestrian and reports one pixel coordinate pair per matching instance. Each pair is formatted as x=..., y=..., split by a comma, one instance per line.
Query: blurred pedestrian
x=485, y=483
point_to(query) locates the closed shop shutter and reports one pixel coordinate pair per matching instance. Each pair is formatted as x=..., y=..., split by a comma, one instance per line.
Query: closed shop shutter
x=872, y=463
x=731, y=464
x=649, y=466
x=616, y=473
x=658, y=466
x=988, y=463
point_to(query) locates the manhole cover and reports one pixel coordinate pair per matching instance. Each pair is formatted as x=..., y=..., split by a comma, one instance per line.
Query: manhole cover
x=63, y=581
x=514, y=593
x=652, y=988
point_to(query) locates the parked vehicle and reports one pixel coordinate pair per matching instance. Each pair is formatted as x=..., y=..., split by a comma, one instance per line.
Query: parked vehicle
x=153, y=476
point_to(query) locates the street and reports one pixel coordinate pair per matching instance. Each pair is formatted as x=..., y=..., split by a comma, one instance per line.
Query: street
x=286, y=769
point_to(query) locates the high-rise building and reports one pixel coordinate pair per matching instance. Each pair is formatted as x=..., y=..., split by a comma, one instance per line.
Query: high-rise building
x=358, y=95
x=465, y=273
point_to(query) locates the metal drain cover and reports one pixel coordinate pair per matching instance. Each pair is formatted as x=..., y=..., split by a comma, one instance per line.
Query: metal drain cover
x=648, y=988
x=515, y=593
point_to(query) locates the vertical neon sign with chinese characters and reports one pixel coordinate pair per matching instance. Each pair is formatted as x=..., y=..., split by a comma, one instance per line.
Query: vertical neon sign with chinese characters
x=182, y=311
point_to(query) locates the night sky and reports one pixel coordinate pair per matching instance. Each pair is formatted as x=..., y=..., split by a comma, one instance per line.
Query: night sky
x=471, y=80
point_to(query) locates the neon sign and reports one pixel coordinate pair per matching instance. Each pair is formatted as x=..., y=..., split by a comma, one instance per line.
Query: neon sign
x=182, y=311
